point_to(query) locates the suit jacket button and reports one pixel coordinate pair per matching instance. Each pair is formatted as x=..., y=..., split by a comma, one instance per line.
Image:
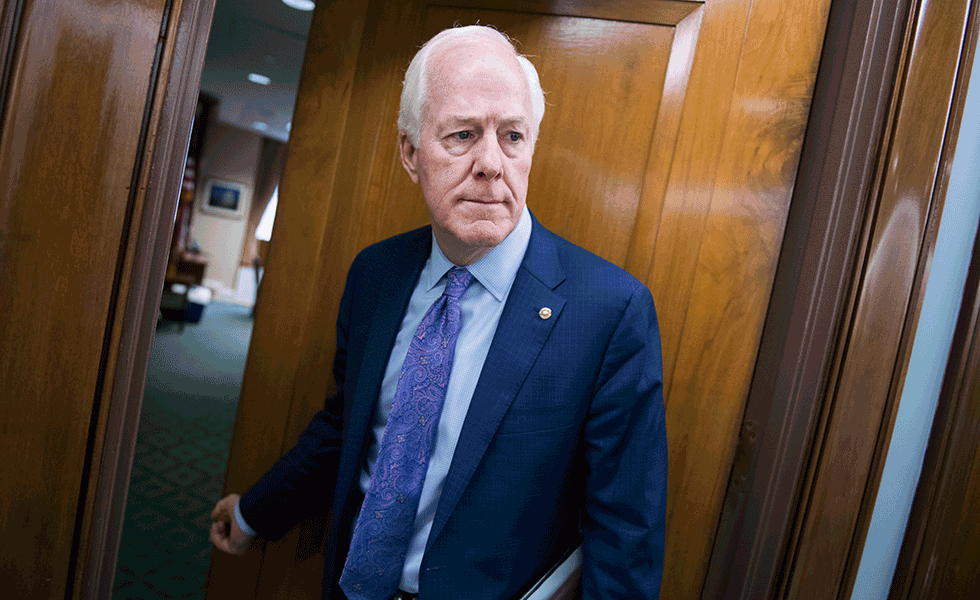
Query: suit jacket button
x=545, y=313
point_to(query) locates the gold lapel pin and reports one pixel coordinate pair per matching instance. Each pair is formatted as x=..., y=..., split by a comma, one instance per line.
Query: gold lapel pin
x=545, y=313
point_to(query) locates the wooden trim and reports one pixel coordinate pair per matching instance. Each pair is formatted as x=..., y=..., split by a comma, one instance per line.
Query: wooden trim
x=10, y=11
x=826, y=386
x=183, y=43
x=914, y=171
x=954, y=439
x=940, y=497
x=807, y=312
x=655, y=12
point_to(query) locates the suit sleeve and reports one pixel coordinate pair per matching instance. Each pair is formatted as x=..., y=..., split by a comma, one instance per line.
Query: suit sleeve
x=626, y=455
x=300, y=480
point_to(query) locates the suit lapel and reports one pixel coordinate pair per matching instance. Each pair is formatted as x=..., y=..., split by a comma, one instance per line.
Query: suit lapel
x=390, y=302
x=516, y=345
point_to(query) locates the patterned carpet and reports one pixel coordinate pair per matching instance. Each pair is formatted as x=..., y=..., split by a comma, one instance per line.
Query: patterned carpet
x=192, y=389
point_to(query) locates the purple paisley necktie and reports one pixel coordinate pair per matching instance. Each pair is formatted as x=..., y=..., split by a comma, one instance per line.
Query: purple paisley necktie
x=386, y=522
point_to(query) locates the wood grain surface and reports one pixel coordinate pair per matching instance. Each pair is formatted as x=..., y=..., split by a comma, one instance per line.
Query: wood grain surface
x=939, y=557
x=884, y=308
x=75, y=101
x=816, y=273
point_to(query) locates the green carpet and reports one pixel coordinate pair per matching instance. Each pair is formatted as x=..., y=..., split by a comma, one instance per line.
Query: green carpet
x=192, y=388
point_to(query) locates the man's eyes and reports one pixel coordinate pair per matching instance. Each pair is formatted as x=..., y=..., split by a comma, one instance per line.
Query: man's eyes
x=462, y=136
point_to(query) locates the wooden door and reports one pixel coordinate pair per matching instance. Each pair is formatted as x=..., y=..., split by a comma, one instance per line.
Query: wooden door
x=670, y=146
x=96, y=102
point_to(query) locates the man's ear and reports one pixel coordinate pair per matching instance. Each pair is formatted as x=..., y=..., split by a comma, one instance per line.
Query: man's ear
x=409, y=157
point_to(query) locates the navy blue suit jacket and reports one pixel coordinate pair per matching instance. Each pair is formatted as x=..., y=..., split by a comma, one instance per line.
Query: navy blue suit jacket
x=564, y=438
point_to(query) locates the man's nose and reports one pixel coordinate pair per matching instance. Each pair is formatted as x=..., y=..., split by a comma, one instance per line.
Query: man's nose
x=488, y=158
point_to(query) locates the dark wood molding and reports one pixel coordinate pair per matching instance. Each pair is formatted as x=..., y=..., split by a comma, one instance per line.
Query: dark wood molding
x=942, y=494
x=827, y=382
x=915, y=168
x=10, y=11
x=807, y=312
x=159, y=171
x=953, y=444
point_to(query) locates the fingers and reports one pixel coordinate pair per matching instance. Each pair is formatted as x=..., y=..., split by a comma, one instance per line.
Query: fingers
x=225, y=533
x=219, y=536
x=224, y=510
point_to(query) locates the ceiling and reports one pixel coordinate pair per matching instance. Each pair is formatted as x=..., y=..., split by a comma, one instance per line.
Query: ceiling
x=265, y=37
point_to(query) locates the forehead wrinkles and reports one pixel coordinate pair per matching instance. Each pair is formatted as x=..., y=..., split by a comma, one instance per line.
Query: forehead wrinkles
x=463, y=64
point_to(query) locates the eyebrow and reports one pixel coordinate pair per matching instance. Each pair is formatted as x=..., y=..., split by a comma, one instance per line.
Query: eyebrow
x=461, y=121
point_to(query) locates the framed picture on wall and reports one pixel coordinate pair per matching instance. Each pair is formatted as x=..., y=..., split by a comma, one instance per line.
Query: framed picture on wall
x=224, y=198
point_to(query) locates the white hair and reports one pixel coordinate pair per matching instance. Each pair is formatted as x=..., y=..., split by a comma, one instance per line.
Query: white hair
x=415, y=92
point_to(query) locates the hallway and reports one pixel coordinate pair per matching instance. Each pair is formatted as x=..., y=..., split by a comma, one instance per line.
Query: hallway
x=192, y=389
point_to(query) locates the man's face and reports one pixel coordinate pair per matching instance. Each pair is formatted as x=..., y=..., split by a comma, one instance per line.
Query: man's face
x=475, y=147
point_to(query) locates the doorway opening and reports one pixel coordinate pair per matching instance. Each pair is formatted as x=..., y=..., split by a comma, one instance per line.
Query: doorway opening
x=248, y=90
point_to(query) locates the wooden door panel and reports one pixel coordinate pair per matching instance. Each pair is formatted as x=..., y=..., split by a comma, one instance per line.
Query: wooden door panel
x=74, y=100
x=669, y=146
x=714, y=265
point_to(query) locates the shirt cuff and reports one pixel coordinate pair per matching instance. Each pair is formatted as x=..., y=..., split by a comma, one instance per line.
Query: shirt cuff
x=242, y=524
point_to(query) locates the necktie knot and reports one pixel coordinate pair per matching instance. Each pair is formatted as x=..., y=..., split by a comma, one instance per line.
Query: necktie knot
x=459, y=280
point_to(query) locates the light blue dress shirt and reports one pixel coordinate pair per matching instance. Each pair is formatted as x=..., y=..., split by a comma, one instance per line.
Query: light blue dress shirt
x=481, y=305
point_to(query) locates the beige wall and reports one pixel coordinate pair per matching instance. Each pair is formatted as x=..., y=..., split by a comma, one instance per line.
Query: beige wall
x=231, y=154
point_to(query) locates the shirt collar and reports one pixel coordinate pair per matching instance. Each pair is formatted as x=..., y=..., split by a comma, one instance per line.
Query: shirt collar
x=495, y=271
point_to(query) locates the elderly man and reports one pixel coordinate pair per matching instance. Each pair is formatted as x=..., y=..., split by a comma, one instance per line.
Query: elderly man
x=500, y=389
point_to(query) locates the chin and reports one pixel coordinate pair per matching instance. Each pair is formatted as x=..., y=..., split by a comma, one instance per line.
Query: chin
x=483, y=234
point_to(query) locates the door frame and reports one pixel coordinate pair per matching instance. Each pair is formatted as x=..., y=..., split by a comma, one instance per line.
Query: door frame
x=816, y=266
x=814, y=289
x=871, y=60
x=941, y=498
x=169, y=116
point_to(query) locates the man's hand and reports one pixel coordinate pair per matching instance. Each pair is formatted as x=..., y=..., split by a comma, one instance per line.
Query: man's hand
x=225, y=532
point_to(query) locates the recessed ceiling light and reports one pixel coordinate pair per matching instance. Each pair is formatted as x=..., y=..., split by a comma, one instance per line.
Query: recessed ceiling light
x=300, y=4
x=260, y=125
x=260, y=79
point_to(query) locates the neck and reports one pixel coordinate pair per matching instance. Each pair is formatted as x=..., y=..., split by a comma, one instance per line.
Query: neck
x=459, y=254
